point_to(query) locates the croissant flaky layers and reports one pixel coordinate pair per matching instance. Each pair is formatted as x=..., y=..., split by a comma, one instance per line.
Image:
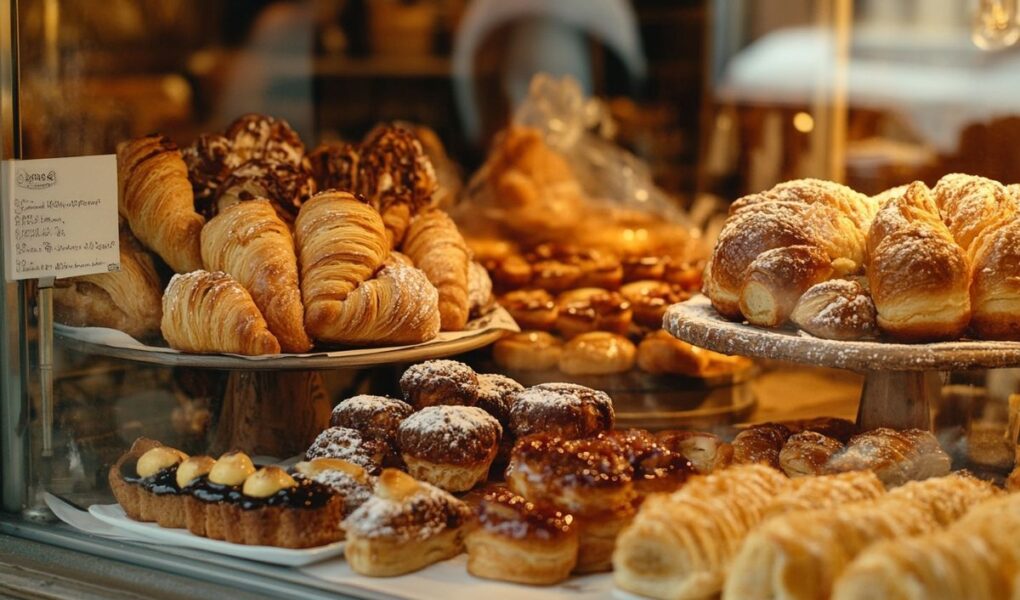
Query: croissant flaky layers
x=156, y=198
x=351, y=295
x=207, y=312
x=436, y=246
x=938, y=261
x=250, y=242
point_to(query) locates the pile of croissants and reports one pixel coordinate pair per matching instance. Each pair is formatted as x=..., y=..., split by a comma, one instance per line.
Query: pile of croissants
x=275, y=249
x=913, y=264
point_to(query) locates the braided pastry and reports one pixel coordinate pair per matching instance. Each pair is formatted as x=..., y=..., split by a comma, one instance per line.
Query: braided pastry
x=157, y=200
x=252, y=244
x=777, y=244
x=435, y=245
x=211, y=312
x=919, y=276
x=680, y=545
x=800, y=554
x=976, y=558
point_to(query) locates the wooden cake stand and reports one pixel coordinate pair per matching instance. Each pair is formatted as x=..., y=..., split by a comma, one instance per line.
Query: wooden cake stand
x=899, y=378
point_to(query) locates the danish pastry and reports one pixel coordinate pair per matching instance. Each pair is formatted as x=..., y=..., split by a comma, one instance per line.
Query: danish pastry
x=597, y=353
x=528, y=351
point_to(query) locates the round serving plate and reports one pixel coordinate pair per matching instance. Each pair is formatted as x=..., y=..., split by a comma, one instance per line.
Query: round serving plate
x=362, y=357
x=900, y=379
x=696, y=322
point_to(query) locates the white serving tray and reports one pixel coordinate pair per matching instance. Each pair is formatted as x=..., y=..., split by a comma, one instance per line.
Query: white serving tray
x=113, y=515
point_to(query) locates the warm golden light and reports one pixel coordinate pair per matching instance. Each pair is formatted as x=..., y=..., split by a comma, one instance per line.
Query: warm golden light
x=803, y=122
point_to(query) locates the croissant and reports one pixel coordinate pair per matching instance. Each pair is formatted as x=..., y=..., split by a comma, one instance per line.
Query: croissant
x=824, y=223
x=157, y=200
x=342, y=245
x=976, y=558
x=435, y=245
x=207, y=312
x=680, y=545
x=253, y=245
x=807, y=453
x=128, y=300
x=984, y=218
x=895, y=456
x=800, y=554
x=919, y=276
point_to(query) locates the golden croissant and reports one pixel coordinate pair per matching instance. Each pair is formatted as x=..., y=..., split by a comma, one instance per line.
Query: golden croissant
x=253, y=245
x=436, y=246
x=207, y=312
x=128, y=300
x=349, y=298
x=157, y=200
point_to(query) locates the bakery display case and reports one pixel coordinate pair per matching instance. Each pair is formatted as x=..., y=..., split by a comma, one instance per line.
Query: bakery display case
x=447, y=298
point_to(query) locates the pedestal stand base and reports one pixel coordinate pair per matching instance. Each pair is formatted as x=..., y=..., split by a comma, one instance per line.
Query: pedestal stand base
x=898, y=399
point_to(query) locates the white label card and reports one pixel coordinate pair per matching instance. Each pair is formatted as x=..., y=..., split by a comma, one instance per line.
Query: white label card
x=60, y=217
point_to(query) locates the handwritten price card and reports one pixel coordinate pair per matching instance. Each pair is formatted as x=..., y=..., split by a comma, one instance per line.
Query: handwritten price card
x=60, y=217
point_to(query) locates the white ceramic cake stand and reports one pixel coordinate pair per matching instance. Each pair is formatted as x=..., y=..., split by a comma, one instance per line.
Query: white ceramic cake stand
x=899, y=379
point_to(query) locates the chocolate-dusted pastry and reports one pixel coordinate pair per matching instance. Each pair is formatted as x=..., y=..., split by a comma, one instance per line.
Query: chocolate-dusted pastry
x=144, y=482
x=350, y=445
x=522, y=542
x=285, y=185
x=210, y=160
x=451, y=447
x=335, y=166
x=375, y=417
x=566, y=410
x=496, y=395
x=436, y=382
x=396, y=177
x=261, y=137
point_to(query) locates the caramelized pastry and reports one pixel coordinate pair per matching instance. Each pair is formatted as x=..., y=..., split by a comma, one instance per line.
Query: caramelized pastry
x=511, y=273
x=599, y=270
x=435, y=245
x=554, y=276
x=661, y=353
x=681, y=545
x=157, y=200
x=597, y=353
x=706, y=451
x=649, y=300
x=807, y=453
x=760, y=444
x=521, y=542
x=561, y=409
x=592, y=309
x=642, y=268
x=590, y=478
x=349, y=445
x=657, y=467
x=251, y=244
x=895, y=456
x=531, y=309
x=207, y=312
x=528, y=351
x=406, y=526
x=451, y=447
x=436, y=382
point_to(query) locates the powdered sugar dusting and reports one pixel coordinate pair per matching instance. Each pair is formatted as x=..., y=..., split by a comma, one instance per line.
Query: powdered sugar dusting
x=696, y=322
x=354, y=492
x=454, y=425
x=426, y=513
